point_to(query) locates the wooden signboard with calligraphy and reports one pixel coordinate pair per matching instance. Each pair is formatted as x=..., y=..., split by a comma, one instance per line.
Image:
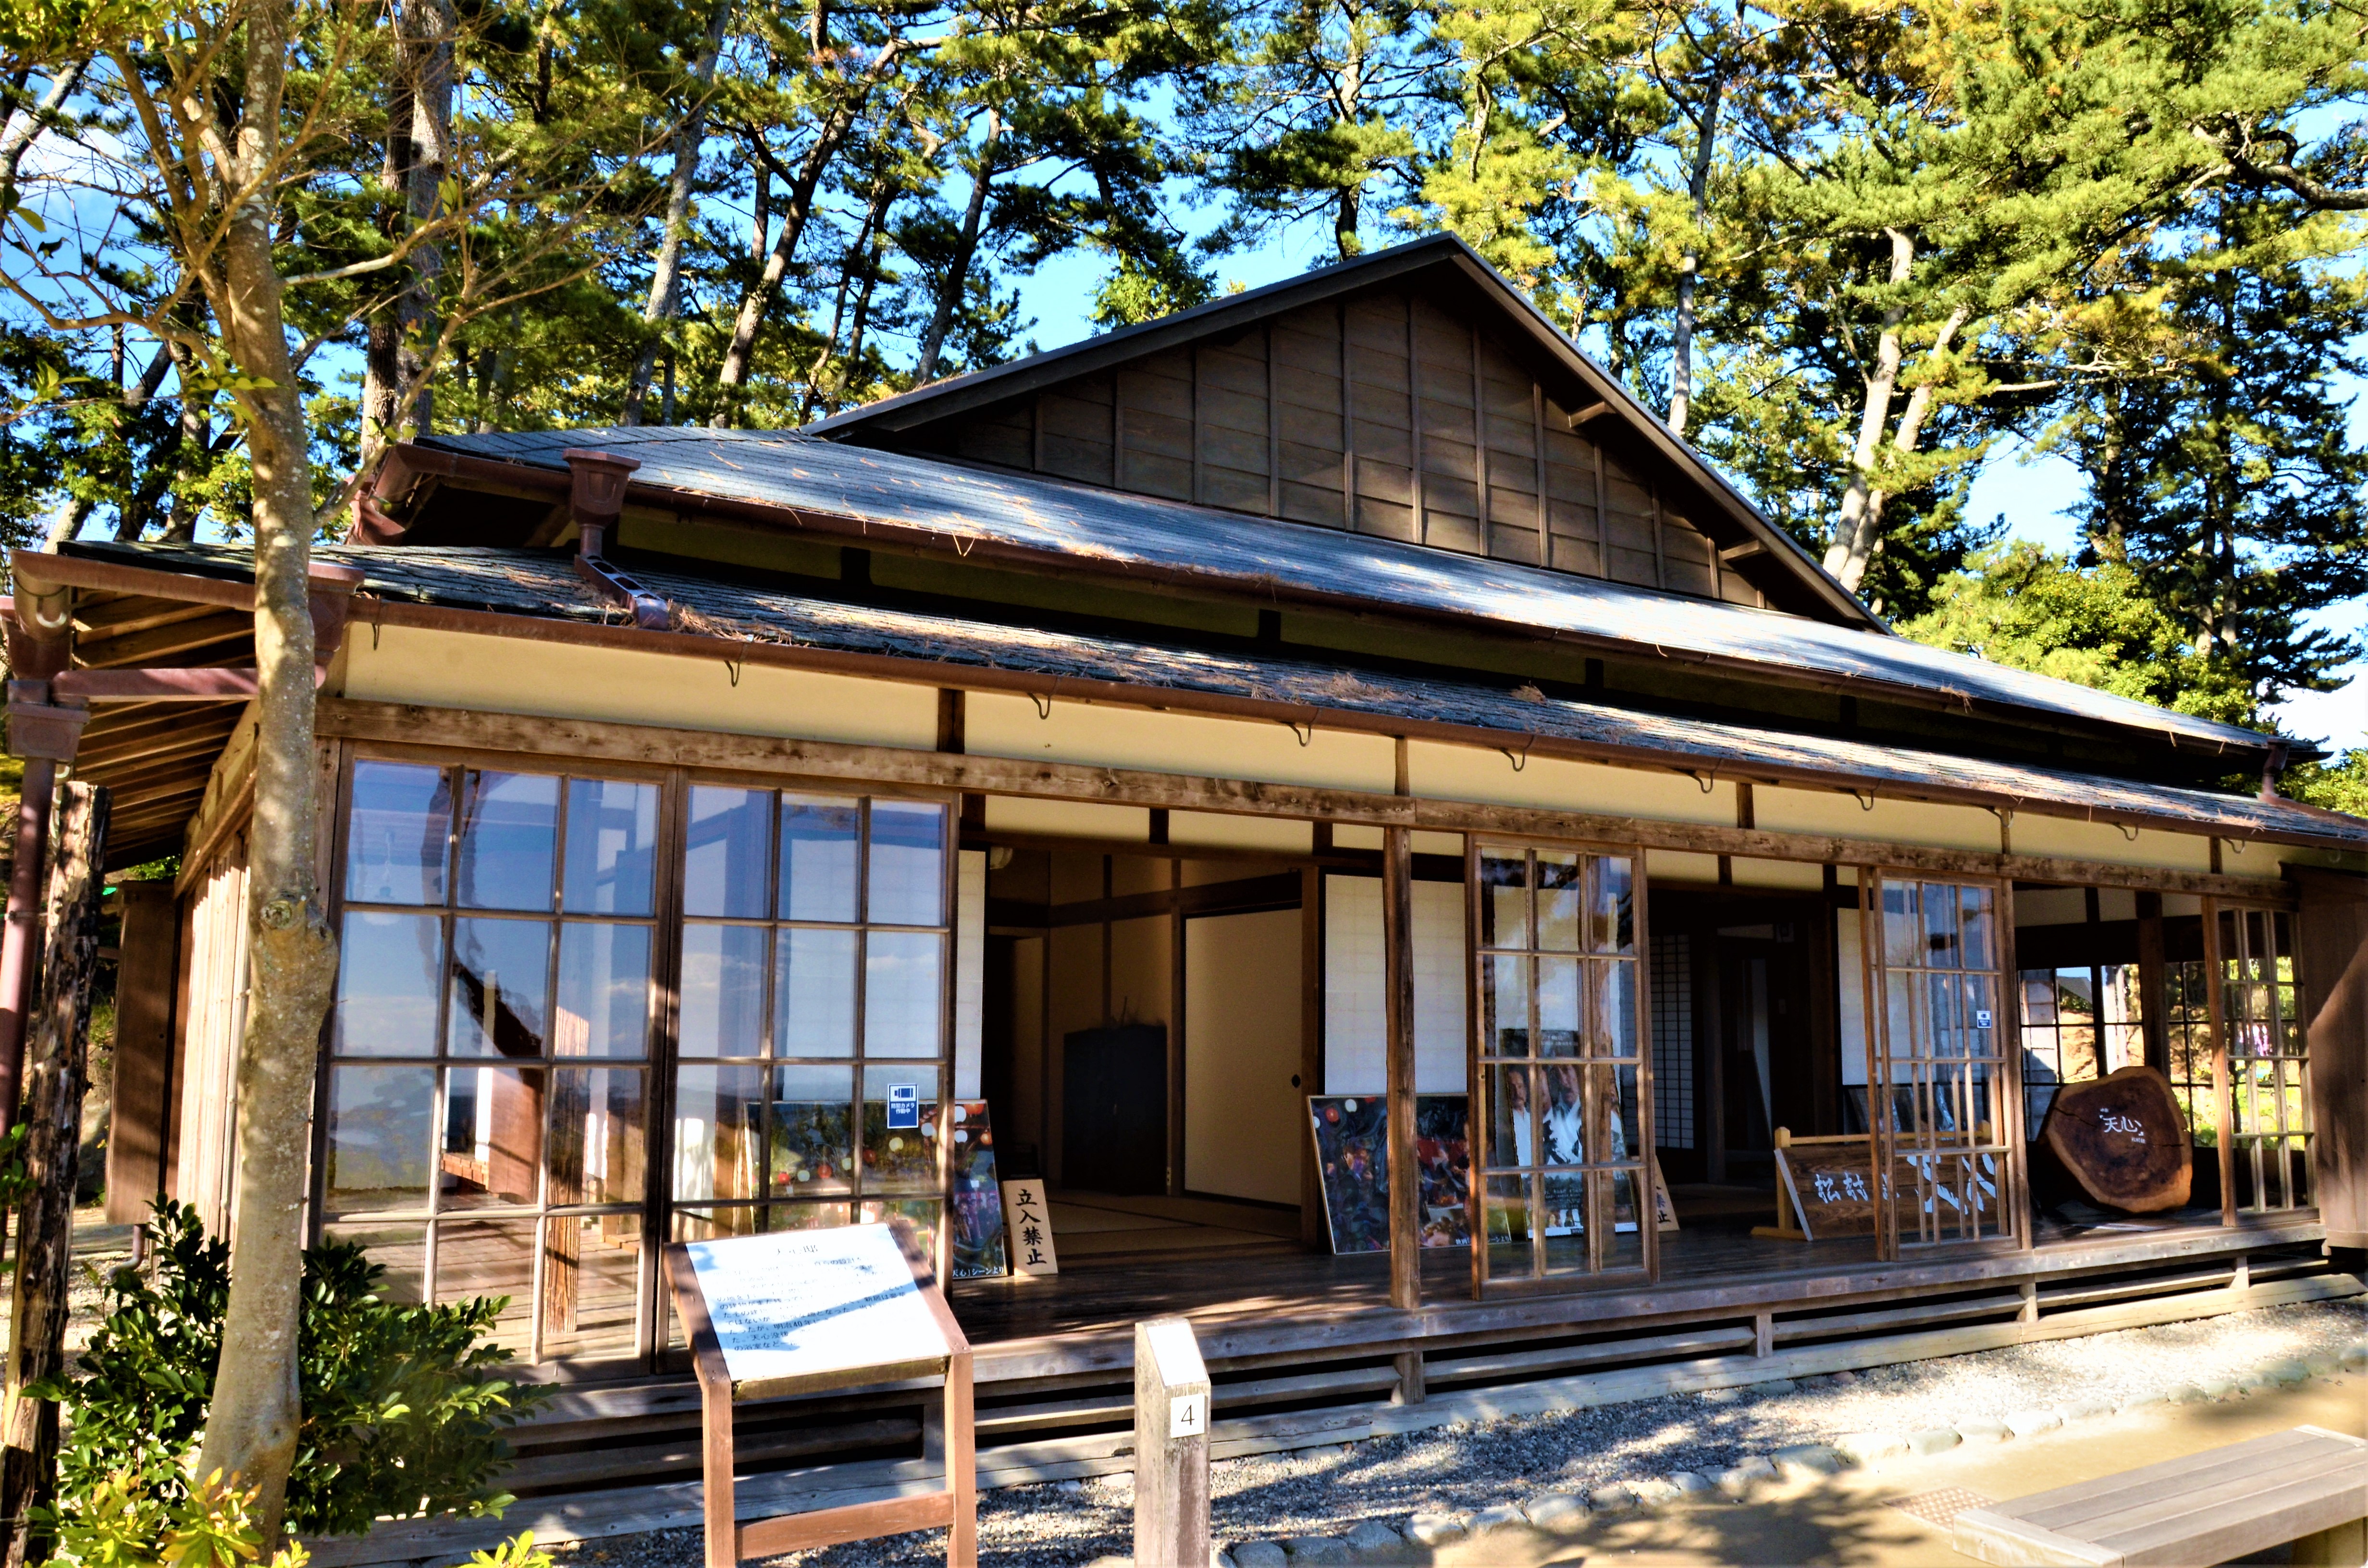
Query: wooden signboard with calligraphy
x=807, y=1311
x=1028, y=1221
x=1825, y=1187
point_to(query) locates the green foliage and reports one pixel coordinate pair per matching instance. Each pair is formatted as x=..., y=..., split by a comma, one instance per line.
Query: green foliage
x=403, y=1415
x=1137, y=292
x=123, y=1522
x=519, y=1551
x=2031, y=609
x=2341, y=785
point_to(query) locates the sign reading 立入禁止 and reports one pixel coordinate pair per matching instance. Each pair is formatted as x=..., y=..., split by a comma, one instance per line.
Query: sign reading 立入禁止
x=1027, y=1228
x=798, y=1304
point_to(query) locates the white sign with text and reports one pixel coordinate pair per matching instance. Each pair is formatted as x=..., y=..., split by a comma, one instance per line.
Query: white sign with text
x=796, y=1304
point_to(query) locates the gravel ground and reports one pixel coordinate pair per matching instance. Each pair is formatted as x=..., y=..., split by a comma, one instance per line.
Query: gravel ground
x=1463, y=1467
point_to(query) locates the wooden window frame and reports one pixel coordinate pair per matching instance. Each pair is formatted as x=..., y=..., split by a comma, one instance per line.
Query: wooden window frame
x=650, y=1349
x=2006, y=1144
x=1477, y=1060
x=2224, y=984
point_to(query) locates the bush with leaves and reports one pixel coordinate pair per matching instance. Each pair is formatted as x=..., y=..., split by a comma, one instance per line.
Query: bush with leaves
x=403, y=1415
x=123, y=1523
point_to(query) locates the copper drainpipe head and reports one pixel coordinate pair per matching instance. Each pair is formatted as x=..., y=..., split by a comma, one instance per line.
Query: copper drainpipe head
x=596, y=495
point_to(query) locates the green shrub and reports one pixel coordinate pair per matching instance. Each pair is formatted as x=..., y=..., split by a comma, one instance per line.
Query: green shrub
x=121, y=1523
x=401, y=1416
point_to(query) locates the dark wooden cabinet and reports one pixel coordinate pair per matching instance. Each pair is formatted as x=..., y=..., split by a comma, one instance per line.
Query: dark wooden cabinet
x=1114, y=1109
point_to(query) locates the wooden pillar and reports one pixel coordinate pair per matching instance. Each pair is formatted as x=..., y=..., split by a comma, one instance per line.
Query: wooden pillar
x=1176, y=1021
x=1172, y=1447
x=147, y=977
x=56, y=1072
x=2154, y=984
x=1311, y=1228
x=2332, y=952
x=2224, y=1095
x=1405, y=1180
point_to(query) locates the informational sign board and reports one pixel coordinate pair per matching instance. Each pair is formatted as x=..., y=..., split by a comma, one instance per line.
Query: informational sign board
x=807, y=1311
x=809, y=1304
x=1027, y=1228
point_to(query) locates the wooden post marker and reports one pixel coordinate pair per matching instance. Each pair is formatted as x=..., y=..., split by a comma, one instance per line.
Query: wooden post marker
x=1172, y=1447
x=807, y=1311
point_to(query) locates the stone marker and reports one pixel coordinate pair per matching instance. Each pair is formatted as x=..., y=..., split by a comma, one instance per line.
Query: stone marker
x=1317, y=1548
x=1933, y=1440
x=2029, y=1423
x=1555, y=1511
x=1372, y=1534
x=1984, y=1431
x=1431, y=1529
x=1503, y=1517
x=1806, y=1462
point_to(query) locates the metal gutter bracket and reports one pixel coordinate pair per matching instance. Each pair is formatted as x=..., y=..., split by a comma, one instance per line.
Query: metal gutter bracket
x=596, y=499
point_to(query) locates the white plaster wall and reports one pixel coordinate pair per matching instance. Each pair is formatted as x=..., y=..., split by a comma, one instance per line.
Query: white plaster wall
x=1843, y=815
x=1069, y=819
x=2073, y=840
x=1244, y=1121
x=1106, y=735
x=1470, y=773
x=508, y=675
x=1355, y=1060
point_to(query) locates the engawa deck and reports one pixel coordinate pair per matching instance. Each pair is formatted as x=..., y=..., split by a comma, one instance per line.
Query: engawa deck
x=1300, y=1348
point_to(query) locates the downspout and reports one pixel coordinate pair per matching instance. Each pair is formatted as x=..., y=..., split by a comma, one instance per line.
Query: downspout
x=596, y=499
x=44, y=731
x=2272, y=766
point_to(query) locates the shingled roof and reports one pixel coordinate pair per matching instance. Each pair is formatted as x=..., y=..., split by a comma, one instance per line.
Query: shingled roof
x=818, y=487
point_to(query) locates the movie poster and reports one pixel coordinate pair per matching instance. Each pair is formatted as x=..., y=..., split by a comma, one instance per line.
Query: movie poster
x=1351, y=1134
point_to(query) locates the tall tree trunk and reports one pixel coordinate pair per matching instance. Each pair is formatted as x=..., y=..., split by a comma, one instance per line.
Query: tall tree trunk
x=1910, y=434
x=252, y=1427
x=756, y=301
x=664, y=303
x=56, y=1074
x=19, y=131
x=382, y=414
x=435, y=24
x=1854, y=529
x=859, y=271
x=1682, y=329
x=957, y=279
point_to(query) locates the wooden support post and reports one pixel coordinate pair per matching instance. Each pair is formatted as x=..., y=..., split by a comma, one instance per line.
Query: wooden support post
x=1763, y=1333
x=1172, y=1447
x=2224, y=1091
x=2240, y=1277
x=1405, y=1177
x=1411, y=1389
x=2154, y=990
x=2030, y=1313
x=1313, y=1230
x=56, y=1072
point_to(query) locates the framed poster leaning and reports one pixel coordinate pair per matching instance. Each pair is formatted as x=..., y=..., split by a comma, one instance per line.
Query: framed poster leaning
x=807, y=1311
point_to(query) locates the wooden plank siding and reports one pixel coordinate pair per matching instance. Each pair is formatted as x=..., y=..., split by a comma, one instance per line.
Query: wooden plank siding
x=1385, y=413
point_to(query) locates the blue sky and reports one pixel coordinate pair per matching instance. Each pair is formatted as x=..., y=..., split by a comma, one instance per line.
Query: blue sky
x=2033, y=495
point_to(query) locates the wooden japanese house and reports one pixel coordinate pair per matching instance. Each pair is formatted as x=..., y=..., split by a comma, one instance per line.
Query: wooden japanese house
x=1340, y=689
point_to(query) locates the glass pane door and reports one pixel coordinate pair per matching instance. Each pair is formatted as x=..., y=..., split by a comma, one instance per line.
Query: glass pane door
x=1563, y=1088
x=2268, y=1059
x=485, y=1110
x=1941, y=1116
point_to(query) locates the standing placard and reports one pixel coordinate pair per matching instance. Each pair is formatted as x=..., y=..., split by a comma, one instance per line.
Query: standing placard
x=807, y=1311
x=1028, y=1222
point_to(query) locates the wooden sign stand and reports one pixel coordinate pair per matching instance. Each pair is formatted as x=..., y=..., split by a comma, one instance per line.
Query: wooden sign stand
x=1793, y=1223
x=955, y=1509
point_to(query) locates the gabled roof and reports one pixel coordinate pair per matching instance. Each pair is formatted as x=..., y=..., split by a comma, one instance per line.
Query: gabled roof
x=859, y=494
x=1405, y=265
